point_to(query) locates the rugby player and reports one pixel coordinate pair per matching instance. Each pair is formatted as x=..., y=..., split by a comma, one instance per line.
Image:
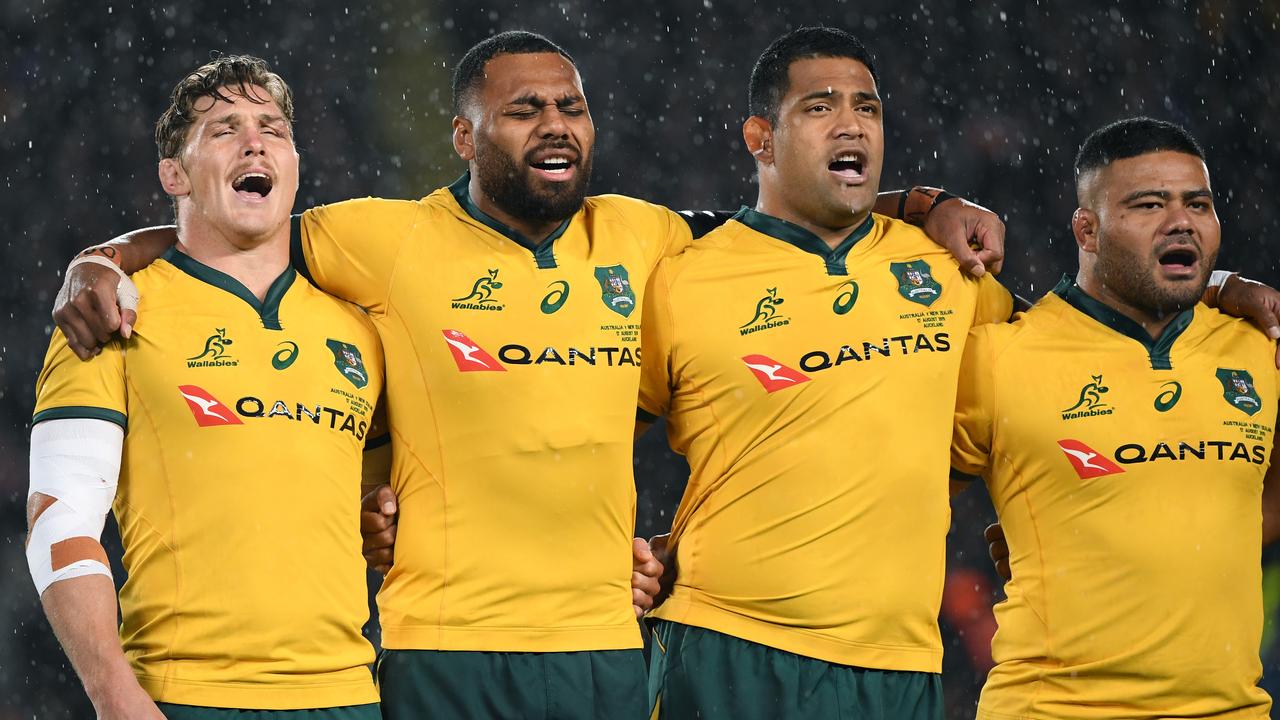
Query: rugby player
x=1124, y=433
x=509, y=306
x=231, y=420
x=805, y=355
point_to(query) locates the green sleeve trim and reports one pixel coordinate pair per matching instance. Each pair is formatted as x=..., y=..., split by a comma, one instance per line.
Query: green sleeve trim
x=375, y=443
x=645, y=416
x=81, y=412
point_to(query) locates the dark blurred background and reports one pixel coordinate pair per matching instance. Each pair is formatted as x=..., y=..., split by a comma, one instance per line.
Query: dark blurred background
x=989, y=100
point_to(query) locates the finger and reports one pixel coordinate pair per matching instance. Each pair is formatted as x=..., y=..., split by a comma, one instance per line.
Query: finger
x=640, y=551
x=79, y=338
x=371, y=523
x=127, y=298
x=998, y=551
x=379, y=560
x=640, y=600
x=653, y=569
x=384, y=540
x=386, y=499
x=990, y=235
x=1003, y=570
x=102, y=316
x=968, y=259
x=375, y=522
x=993, y=532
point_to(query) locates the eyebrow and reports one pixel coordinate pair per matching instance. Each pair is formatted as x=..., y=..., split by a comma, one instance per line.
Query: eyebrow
x=538, y=101
x=234, y=117
x=861, y=95
x=1166, y=195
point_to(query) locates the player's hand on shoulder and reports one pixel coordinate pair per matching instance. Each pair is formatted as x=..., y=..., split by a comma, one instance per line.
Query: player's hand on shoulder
x=379, y=515
x=999, y=550
x=1260, y=303
x=87, y=306
x=646, y=574
x=973, y=234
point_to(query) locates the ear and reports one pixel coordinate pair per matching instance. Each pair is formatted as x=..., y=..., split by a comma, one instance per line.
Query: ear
x=464, y=139
x=1084, y=225
x=173, y=178
x=758, y=135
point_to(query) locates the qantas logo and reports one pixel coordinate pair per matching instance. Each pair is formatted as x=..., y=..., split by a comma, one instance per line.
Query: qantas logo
x=1088, y=463
x=773, y=375
x=468, y=355
x=208, y=410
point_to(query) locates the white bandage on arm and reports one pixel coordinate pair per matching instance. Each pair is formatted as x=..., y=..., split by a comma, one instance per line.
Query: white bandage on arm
x=1218, y=278
x=76, y=462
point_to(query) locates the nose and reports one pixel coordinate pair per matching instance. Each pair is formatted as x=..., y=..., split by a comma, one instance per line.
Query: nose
x=253, y=144
x=552, y=124
x=1178, y=220
x=848, y=125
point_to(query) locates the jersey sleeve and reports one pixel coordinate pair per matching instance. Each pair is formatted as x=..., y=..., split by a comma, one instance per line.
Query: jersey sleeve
x=655, y=343
x=90, y=389
x=995, y=302
x=975, y=405
x=349, y=249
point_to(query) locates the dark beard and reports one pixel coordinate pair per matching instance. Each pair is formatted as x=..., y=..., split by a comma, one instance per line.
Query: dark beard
x=511, y=187
x=1131, y=280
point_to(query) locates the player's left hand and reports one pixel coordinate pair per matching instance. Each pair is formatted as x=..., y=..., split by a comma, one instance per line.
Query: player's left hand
x=973, y=234
x=999, y=549
x=645, y=573
x=378, y=522
x=1244, y=298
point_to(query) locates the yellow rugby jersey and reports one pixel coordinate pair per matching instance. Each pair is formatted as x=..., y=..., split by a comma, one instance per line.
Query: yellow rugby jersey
x=512, y=376
x=1127, y=474
x=812, y=391
x=238, y=500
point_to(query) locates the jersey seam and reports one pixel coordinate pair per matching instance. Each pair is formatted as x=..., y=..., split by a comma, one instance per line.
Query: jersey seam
x=173, y=551
x=439, y=478
x=395, y=262
x=1043, y=616
x=719, y=429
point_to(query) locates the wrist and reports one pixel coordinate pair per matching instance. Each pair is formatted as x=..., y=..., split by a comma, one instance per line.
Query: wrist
x=112, y=253
x=919, y=201
x=112, y=684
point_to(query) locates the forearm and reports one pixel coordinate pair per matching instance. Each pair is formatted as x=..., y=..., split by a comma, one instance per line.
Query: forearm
x=82, y=611
x=135, y=250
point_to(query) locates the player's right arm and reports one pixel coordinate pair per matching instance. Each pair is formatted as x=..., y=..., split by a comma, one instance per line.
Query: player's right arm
x=77, y=438
x=347, y=249
x=655, y=341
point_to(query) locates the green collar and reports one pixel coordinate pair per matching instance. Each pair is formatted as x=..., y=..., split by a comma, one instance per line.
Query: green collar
x=794, y=234
x=268, y=309
x=543, y=252
x=1157, y=350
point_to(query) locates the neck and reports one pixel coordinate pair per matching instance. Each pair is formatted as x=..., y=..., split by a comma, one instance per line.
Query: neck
x=831, y=233
x=255, y=262
x=1153, y=323
x=535, y=230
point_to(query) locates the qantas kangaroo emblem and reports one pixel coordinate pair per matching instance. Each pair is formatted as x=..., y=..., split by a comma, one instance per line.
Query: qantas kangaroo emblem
x=1087, y=462
x=773, y=375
